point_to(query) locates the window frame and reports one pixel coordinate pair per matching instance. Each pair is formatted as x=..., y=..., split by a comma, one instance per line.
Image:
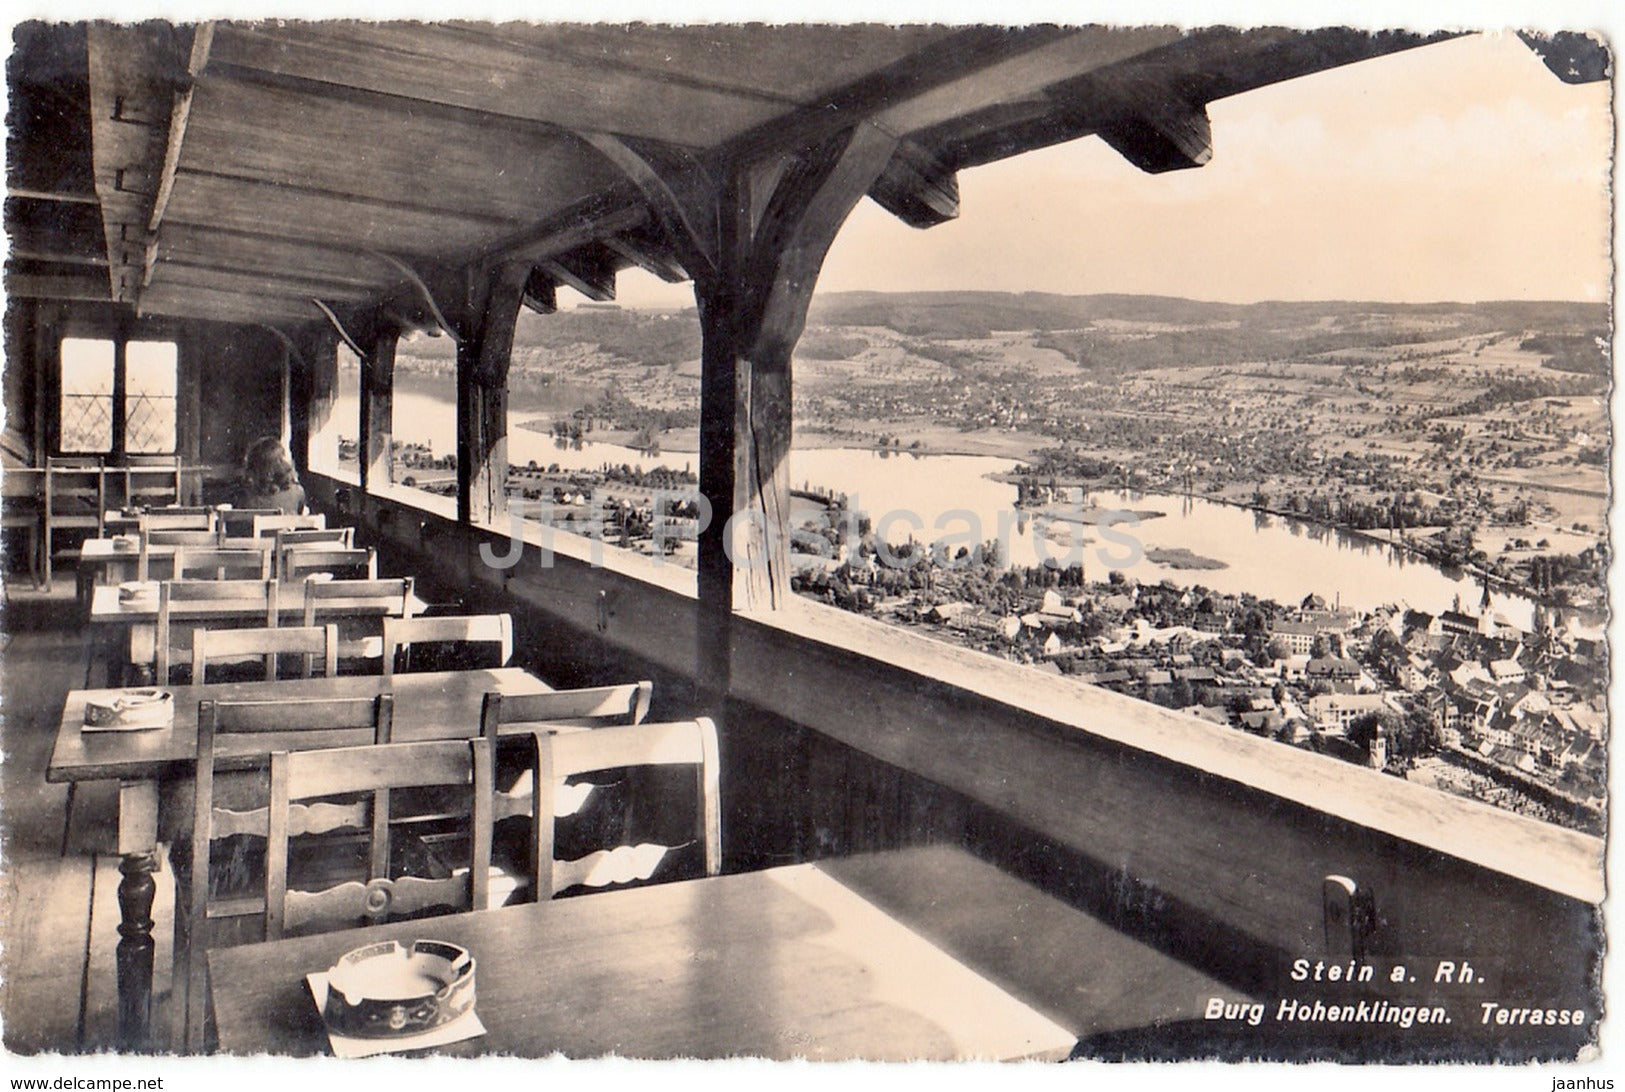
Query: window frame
x=115, y=410
x=119, y=447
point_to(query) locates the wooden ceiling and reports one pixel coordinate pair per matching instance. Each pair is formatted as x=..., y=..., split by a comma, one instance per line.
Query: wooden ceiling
x=242, y=171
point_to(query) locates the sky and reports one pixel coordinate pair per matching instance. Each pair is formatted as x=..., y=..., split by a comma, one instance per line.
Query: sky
x=1463, y=170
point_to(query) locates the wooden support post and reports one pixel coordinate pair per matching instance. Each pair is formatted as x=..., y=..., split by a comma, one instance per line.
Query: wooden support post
x=321, y=394
x=285, y=408
x=483, y=354
x=377, y=411
x=754, y=239
x=190, y=422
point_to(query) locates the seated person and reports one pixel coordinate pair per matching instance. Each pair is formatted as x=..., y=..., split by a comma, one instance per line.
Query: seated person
x=269, y=479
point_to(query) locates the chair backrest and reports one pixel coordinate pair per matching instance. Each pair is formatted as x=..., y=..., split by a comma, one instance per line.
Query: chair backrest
x=151, y=538
x=559, y=755
x=305, y=642
x=302, y=776
x=215, y=563
x=176, y=519
x=268, y=525
x=296, y=562
x=349, y=602
x=162, y=537
x=256, y=728
x=239, y=522
x=462, y=630
x=76, y=489
x=229, y=601
x=589, y=707
x=149, y=478
x=315, y=536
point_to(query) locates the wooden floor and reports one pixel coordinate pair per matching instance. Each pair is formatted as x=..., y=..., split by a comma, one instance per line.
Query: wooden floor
x=58, y=911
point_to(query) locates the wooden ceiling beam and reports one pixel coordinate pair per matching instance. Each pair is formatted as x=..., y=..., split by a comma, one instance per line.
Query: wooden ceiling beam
x=589, y=270
x=132, y=69
x=58, y=257
x=540, y=294
x=63, y=196
x=917, y=188
x=229, y=304
x=332, y=221
x=207, y=272
x=59, y=287
x=360, y=201
x=926, y=70
x=428, y=63
x=1162, y=136
x=649, y=256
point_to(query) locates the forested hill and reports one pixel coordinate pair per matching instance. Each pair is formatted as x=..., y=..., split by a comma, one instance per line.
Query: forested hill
x=1112, y=332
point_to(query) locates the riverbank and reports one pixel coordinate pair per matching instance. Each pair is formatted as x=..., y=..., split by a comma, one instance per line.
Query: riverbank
x=911, y=440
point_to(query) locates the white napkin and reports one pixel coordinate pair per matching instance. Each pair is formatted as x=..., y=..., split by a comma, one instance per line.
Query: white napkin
x=466, y=1026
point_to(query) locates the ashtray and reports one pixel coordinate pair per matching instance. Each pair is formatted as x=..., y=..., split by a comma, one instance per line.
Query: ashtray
x=387, y=990
x=126, y=543
x=132, y=591
x=131, y=709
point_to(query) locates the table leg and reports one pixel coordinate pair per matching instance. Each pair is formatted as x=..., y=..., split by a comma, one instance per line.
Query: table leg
x=138, y=843
x=135, y=949
x=114, y=653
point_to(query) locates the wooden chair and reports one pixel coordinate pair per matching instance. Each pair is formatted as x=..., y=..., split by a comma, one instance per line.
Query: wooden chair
x=236, y=805
x=237, y=599
x=152, y=479
x=75, y=500
x=268, y=525
x=239, y=522
x=305, y=776
x=332, y=538
x=512, y=720
x=298, y=562
x=234, y=645
x=214, y=563
x=460, y=631
x=360, y=639
x=559, y=755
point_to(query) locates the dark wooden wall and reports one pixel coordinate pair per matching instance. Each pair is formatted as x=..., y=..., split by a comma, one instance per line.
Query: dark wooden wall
x=238, y=391
x=229, y=389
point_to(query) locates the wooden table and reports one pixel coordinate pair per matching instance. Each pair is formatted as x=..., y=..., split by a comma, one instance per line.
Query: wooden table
x=127, y=631
x=790, y=962
x=106, y=564
x=430, y=705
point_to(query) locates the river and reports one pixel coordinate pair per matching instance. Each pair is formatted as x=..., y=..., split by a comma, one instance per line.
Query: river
x=927, y=497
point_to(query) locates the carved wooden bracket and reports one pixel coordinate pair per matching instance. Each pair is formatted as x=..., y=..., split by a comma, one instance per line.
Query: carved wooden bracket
x=338, y=325
x=424, y=292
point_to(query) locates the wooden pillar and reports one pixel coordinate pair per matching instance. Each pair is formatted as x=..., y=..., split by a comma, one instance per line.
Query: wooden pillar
x=120, y=388
x=377, y=411
x=285, y=411
x=483, y=354
x=189, y=421
x=321, y=392
x=44, y=356
x=775, y=222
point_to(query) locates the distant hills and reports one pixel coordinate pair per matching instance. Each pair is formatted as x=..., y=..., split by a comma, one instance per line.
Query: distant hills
x=1110, y=333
